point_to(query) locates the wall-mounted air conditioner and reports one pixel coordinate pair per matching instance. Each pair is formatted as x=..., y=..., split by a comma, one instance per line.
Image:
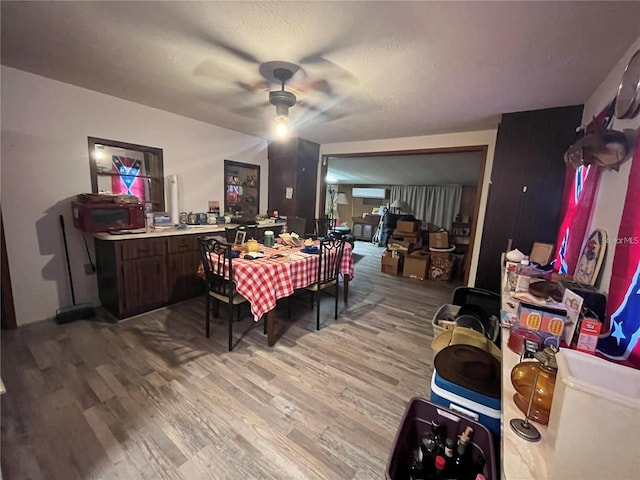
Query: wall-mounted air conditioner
x=368, y=192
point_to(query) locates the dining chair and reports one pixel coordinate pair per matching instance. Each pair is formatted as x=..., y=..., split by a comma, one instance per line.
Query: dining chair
x=331, y=250
x=251, y=229
x=297, y=224
x=230, y=233
x=322, y=227
x=218, y=267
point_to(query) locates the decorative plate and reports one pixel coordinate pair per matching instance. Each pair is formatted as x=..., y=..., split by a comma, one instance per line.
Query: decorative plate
x=591, y=258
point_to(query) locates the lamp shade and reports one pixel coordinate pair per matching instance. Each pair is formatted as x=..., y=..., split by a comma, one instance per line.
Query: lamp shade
x=396, y=204
x=341, y=199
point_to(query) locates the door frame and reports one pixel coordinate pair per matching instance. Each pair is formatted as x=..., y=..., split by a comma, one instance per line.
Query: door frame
x=482, y=149
x=8, y=319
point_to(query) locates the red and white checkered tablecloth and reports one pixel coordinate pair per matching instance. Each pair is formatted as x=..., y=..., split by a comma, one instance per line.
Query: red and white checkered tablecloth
x=264, y=280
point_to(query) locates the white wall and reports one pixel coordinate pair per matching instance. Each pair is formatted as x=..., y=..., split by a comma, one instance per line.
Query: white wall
x=613, y=185
x=45, y=162
x=485, y=137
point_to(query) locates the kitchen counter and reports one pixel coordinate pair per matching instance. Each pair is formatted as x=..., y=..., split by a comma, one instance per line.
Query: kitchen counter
x=190, y=230
x=520, y=459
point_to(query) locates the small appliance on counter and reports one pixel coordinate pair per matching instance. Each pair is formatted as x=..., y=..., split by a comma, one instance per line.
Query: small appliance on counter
x=108, y=216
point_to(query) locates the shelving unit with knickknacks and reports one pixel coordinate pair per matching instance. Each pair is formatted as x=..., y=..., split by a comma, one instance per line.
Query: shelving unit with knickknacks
x=461, y=233
x=241, y=189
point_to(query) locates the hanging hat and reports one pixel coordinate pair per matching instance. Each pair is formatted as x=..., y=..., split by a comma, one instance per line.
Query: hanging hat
x=606, y=148
x=465, y=336
x=471, y=368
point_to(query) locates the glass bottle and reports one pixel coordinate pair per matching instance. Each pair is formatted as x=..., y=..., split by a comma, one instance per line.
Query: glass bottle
x=415, y=468
x=440, y=465
x=461, y=462
x=449, y=446
x=539, y=376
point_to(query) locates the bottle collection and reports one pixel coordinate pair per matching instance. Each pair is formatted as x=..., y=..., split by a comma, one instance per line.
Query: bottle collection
x=443, y=458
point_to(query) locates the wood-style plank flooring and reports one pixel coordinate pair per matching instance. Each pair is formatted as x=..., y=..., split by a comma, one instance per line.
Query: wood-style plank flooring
x=152, y=398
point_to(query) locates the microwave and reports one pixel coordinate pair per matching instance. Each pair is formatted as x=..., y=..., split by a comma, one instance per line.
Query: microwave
x=107, y=217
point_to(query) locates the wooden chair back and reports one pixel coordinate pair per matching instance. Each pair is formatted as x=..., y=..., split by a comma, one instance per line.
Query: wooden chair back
x=297, y=224
x=217, y=258
x=331, y=251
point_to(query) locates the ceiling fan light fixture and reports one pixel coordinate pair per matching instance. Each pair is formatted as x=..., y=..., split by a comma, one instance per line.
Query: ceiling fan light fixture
x=282, y=126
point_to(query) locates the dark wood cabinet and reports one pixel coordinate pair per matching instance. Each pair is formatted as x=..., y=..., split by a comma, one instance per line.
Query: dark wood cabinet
x=138, y=275
x=183, y=258
x=143, y=285
x=293, y=164
x=242, y=189
x=527, y=180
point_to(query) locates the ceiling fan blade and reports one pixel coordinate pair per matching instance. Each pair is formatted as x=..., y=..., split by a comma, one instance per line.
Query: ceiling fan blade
x=242, y=54
x=259, y=86
x=320, y=85
x=255, y=111
x=324, y=114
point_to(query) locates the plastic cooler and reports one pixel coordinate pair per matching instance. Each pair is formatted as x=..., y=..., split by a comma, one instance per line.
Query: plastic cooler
x=415, y=423
x=481, y=408
x=594, y=424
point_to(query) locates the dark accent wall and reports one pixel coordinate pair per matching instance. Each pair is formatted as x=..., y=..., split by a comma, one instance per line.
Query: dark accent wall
x=529, y=153
x=294, y=163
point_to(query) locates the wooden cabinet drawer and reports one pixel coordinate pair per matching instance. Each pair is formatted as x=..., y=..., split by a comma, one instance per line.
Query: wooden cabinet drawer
x=143, y=247
x=182, y=243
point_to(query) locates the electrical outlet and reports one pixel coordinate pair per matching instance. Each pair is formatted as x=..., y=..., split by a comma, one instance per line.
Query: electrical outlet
x=88, y=269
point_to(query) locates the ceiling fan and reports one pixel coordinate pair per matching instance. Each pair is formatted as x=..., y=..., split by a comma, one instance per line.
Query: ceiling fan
x=282, y=100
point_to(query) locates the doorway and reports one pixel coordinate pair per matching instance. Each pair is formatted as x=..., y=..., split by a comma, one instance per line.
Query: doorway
x=452, y=163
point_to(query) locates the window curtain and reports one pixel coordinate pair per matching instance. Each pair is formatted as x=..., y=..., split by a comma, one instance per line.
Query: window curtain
x=580, y=191
x=436, y=204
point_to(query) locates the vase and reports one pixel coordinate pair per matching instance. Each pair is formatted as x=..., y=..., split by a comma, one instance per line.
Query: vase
x=538, y=375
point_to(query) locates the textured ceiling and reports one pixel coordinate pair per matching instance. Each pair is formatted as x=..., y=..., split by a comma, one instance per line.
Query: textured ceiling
x=369, y=69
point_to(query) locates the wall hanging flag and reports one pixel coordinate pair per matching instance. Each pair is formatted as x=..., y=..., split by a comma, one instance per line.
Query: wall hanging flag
x=620, y=342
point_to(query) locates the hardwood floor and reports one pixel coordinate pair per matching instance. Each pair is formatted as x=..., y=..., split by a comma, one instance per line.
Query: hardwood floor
x=151, y=397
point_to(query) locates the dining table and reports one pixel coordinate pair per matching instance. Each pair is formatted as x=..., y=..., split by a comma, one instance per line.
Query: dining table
x=278, y=273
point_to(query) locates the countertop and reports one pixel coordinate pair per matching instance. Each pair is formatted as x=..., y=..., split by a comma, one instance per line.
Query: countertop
x=520, y=459
x=190, y=230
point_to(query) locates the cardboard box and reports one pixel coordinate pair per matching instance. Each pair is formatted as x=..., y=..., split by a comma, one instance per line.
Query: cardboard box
x=392, y=265
x=401, y=233
x=416, y=265
x=545, y=321
x=440, y=269
x=409, y=225
x=439, y=239
x=588, y=338
x=409, y=245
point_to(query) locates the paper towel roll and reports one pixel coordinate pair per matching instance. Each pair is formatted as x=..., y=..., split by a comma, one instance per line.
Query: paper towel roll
x=173, y=193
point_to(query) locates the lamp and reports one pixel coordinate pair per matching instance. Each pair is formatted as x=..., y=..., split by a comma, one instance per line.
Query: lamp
x=335, y=199
x=282, y=100
x=341, y=199
x=396, y=204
